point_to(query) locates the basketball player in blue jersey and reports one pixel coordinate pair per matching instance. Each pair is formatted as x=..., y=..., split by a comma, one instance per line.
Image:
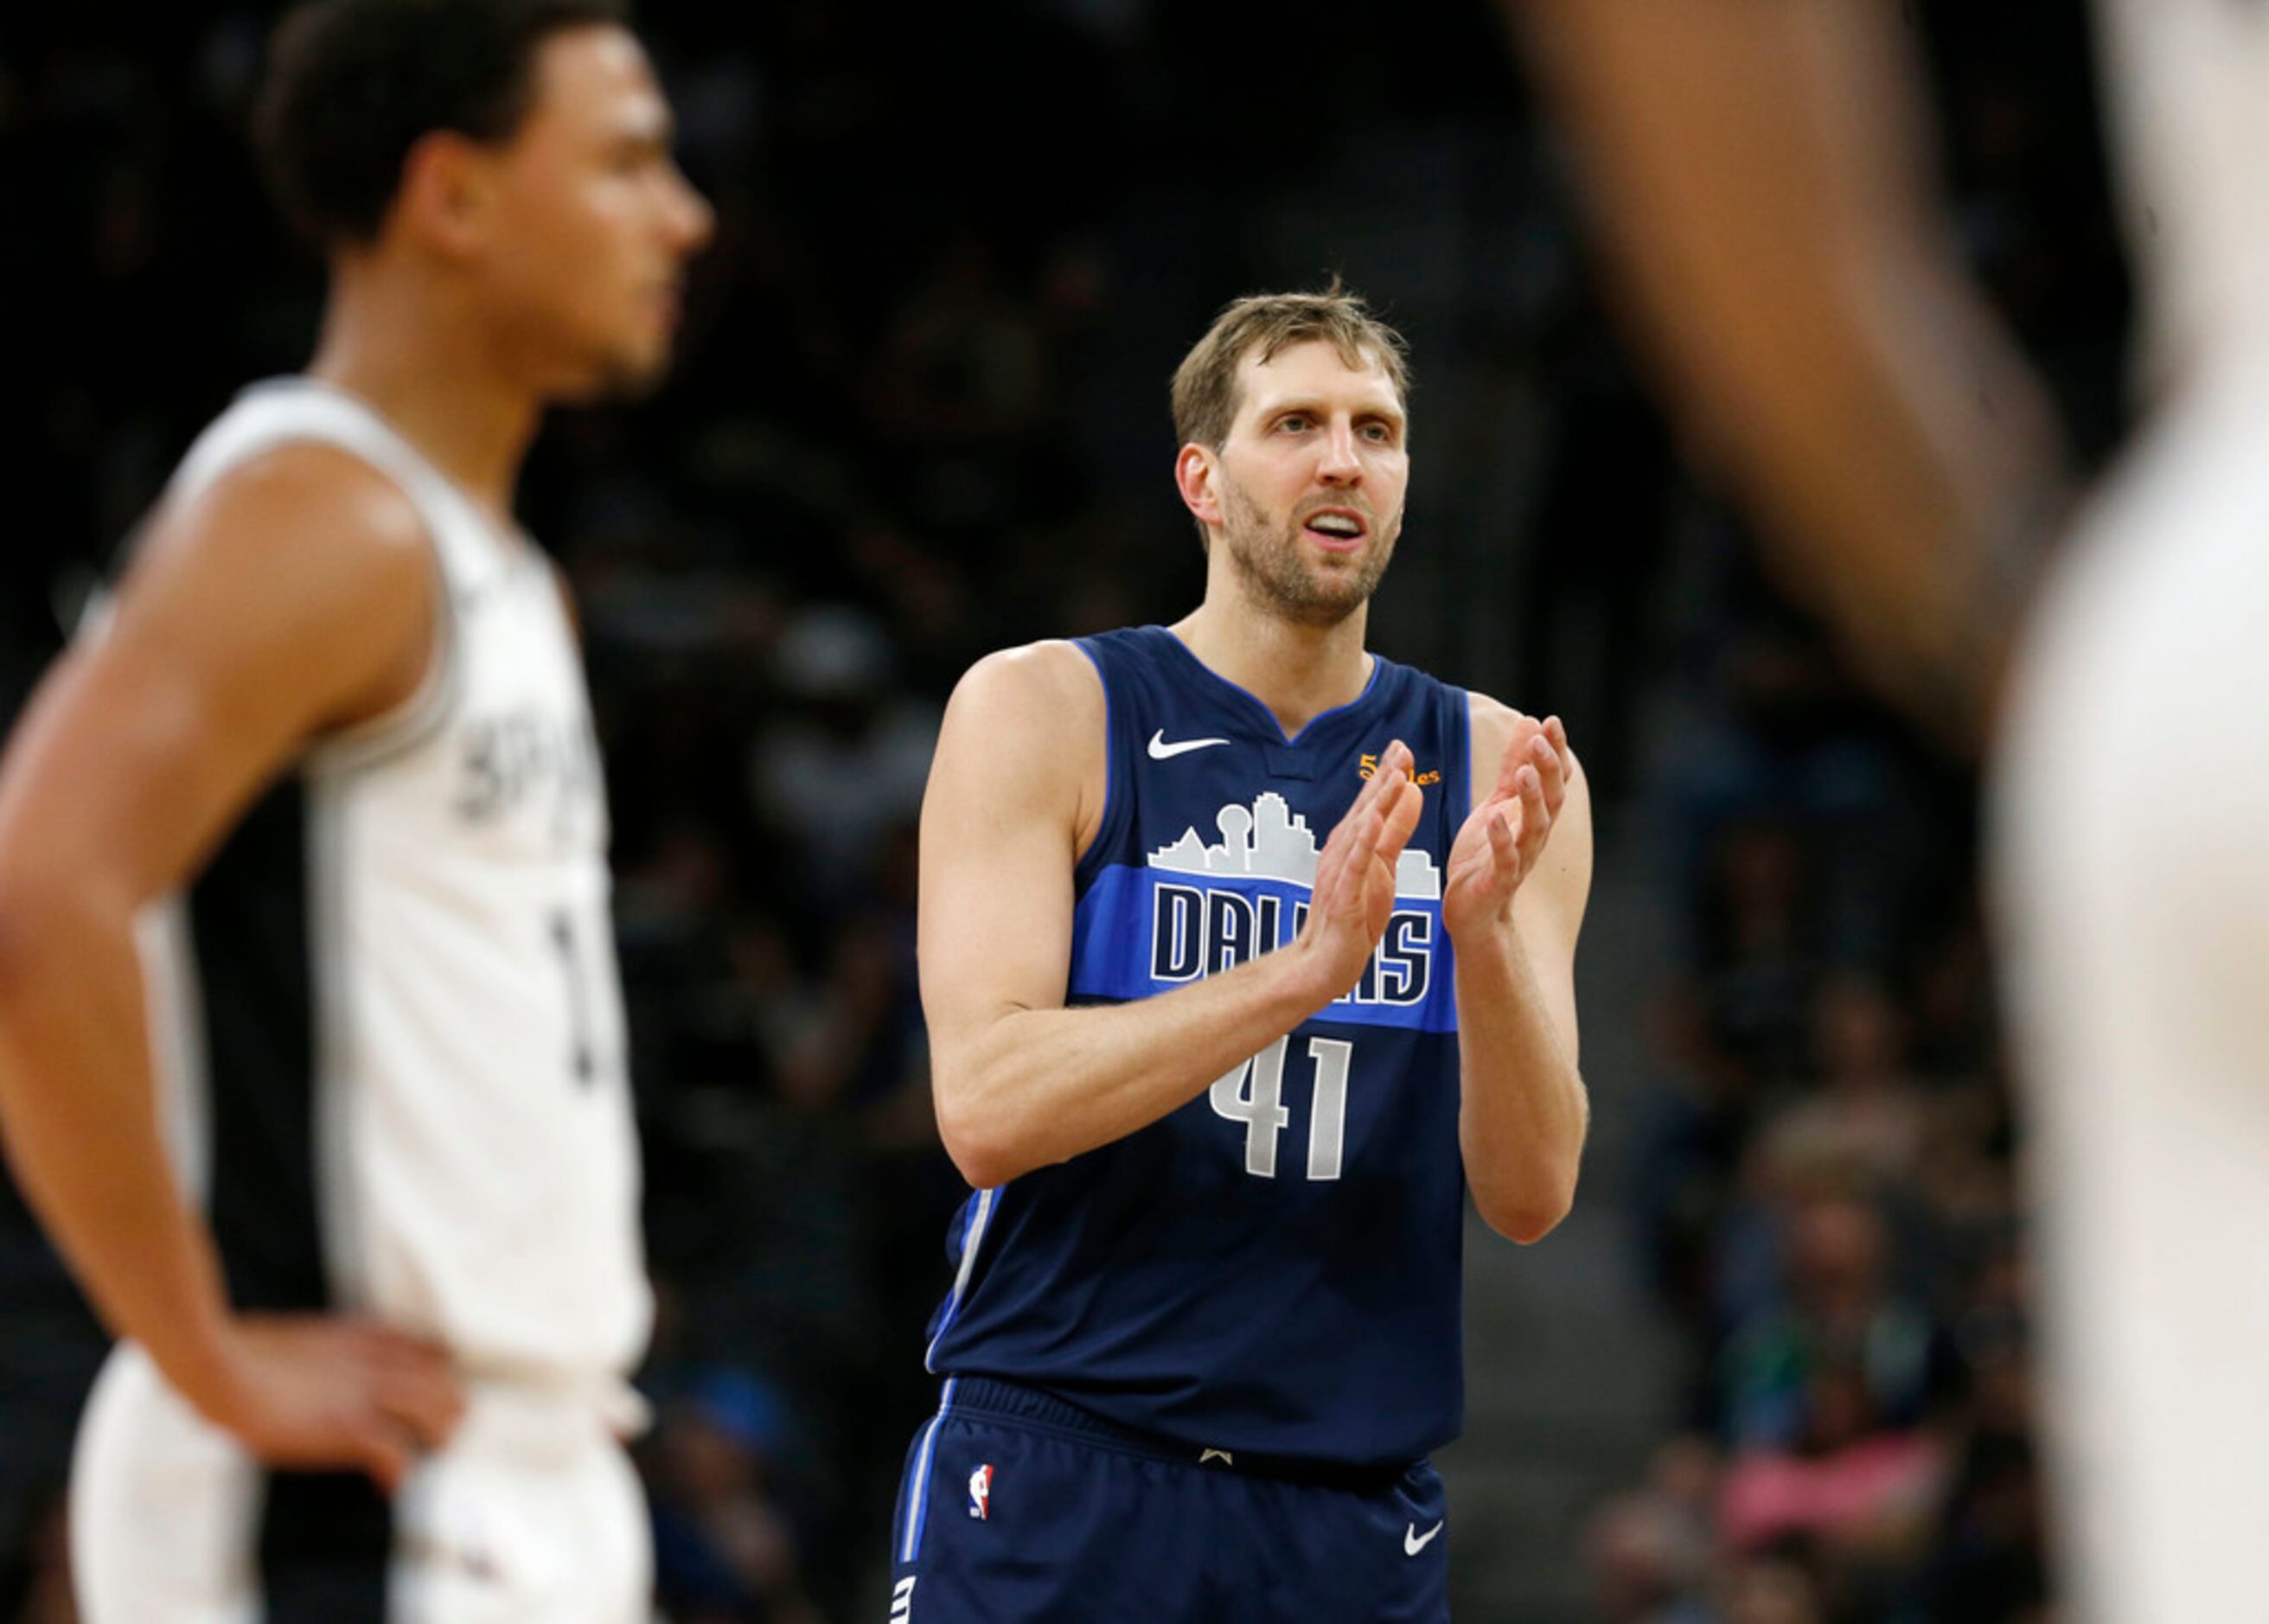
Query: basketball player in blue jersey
x=329, y=758
x=1246, y=953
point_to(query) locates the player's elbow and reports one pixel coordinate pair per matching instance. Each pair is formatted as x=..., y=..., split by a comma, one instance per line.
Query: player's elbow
x=51, y=919
x=31, y=937
x=27, y=904
x=972, y=1133
x=981, y=1166
x=1526, y=1216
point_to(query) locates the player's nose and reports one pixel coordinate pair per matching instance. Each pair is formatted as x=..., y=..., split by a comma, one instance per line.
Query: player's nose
x=1340, y=466
x=692, y=221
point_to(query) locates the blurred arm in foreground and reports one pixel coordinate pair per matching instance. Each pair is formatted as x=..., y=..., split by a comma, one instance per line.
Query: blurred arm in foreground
x=1756, y=172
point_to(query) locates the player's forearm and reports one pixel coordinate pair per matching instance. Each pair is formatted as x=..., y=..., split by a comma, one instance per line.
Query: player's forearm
x=1035, y=1087
x=80, y=1125
x=1758, y=180
x=1903, y=508
x=1523, y=1111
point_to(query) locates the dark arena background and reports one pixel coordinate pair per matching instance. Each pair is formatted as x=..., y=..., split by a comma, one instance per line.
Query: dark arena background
x=920, y=413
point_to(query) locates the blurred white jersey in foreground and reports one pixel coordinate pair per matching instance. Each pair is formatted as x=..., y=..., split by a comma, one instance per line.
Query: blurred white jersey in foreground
x=2132, y=851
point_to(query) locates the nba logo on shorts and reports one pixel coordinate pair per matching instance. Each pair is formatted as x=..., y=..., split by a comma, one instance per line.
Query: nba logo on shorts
x=981, y=1493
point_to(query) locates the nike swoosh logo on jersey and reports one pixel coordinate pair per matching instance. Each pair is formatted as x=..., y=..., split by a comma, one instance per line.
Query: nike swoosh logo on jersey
x=1414, y=1542
x=1160, y=750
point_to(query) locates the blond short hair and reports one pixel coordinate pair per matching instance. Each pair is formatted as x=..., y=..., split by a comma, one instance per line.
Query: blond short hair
x=1205, y=384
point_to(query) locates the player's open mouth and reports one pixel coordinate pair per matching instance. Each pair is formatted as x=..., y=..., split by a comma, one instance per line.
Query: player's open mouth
x=1335, y=530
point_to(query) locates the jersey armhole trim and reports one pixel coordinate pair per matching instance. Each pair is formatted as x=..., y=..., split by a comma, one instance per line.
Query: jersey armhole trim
x=1458, y=806
x=1461, y=757
x=1088, y=863
x=365, y=743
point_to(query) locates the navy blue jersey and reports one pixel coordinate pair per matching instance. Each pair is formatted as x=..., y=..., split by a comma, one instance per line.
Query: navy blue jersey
x=1275, y=1267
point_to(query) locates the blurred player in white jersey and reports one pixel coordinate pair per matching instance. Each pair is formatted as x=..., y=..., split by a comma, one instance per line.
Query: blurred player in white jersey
x=1755, y=167
x=2131, y=851
x=302, y=857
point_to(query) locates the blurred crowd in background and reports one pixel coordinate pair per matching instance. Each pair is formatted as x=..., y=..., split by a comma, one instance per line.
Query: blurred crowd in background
x=1824, y=1194
x=920, y=413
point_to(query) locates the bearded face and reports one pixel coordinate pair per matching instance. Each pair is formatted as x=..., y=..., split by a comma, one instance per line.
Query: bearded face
x=1301, y=498
x=1314, y=563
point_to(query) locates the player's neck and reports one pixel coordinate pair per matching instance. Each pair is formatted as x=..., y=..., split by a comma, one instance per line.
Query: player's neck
x=434, y=377
x=1298, y=671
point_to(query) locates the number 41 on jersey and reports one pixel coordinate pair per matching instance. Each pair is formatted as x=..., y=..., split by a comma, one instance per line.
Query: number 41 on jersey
x=1253, y=1094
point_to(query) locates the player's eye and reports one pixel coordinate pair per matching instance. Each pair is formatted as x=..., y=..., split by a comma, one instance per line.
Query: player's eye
x=636, y=157
x=1293, y=421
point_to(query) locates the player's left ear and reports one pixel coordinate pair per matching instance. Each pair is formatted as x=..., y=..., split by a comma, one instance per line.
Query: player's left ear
x=447, y=185
x=1195, y=472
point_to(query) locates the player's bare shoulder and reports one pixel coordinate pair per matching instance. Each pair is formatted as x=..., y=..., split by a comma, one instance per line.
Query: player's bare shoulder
x=1491, y=722
x=304, y=558
x=1036, y=678
x=258, y=512
x=1043, y=696
x=1033, y=720
x=1495, y=724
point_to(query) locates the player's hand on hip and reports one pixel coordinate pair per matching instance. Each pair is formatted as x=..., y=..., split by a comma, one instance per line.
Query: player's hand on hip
x=323, y=1392
x=1354, y=895
x=1500, y=841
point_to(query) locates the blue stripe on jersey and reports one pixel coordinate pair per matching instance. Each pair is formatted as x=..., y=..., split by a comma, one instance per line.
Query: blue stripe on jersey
x=1274, y=1265
x=1141, y=931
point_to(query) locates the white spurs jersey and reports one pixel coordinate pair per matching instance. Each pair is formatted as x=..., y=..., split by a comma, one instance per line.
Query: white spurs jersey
x=2186, y=92
x=2132, y=859
x=391, y=1007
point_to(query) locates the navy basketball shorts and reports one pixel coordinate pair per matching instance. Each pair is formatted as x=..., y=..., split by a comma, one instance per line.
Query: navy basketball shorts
x=1017, y=1508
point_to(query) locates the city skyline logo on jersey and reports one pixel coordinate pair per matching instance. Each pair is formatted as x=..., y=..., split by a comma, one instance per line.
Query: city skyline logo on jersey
x=1270, y=840
x=1164, y=915
x=1201, y=930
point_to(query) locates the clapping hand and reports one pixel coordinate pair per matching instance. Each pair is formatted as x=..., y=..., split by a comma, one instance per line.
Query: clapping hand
x=1501, y=841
